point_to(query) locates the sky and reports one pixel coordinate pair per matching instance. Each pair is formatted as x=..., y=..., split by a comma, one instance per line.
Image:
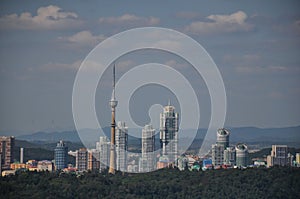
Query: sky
x=255, y=45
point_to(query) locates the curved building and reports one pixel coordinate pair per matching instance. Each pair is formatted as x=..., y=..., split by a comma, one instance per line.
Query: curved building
x=223, y=137
x=61, y=155
x=241, y=155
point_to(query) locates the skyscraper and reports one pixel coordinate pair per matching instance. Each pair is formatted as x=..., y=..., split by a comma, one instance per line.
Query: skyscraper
x=121, y=146
x=223, y=137
x=82, y=159
x=7, y=145
x=103, y=147
x=61, y=155
x=219, y=149
x=113, y=104
x=241, y=155
x=147, y=161
x=217, y=154
x=169, y=132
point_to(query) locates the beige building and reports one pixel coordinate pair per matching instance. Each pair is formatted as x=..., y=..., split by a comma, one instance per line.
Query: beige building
x=82, y=159
x=45, y=165
x=15, y=166
x=279, y=156
x=7, y=145
x=93, y=160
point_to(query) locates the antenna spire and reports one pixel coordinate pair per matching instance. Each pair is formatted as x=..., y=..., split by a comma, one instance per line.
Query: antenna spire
x=114, y=80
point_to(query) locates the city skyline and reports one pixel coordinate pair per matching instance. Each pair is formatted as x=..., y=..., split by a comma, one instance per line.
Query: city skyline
x=149, y=99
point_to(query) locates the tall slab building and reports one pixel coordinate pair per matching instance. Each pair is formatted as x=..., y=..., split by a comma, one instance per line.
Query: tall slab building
x=169, y=120
x=103, y=146
x=121, y=146
x=82, y=160
x=7, y=145
x=147, y=161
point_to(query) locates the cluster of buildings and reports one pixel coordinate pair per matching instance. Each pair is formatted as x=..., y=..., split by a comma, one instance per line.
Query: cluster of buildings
x=281, y=157
x=149, y=159
x=113, y=153
x=8, y=165
x=226, y=156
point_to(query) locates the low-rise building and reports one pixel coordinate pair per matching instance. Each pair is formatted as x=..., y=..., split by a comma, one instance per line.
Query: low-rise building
x=45, y=165
x=16, y=166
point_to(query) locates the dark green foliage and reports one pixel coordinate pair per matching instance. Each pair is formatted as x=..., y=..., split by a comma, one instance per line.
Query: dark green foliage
x=280, y=182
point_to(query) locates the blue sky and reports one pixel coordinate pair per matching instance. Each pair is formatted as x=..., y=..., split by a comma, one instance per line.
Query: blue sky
x=255, y=45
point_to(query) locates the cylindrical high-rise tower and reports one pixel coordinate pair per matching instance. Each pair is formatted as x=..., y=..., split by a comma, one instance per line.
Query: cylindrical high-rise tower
x=113, y=103
x=241, y=155
x=61, y=155
x=223, y=137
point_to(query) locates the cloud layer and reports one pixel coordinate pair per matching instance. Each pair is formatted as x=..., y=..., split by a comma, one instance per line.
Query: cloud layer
x=220, y=23
x=129, y=19
x=50, y=17
x=84, y=38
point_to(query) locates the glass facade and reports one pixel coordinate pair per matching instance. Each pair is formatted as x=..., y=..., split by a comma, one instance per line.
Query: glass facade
x=61, y=155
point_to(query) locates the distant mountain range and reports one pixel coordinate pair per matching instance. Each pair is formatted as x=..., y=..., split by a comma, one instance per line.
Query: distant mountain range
x=240, y=134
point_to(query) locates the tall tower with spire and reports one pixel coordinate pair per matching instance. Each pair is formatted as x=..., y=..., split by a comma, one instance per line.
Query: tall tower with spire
x=113, y=104
x=169, y=132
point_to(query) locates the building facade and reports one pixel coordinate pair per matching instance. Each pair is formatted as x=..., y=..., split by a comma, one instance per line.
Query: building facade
x=169, y=123
x=241, y=155
x=147, y=161
x=297, y=159
x=182, y=163
x=217, y=154
x=61, y=155
x=103, y=146
x=93, y=159
x=45, y=165
x=82, y=160
x=223, y=137
x=121, y=146
x=279, y=156
x=230, y=156
x=7, y=145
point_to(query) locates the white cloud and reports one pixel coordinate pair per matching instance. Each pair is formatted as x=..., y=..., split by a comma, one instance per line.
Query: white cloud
x=84, y=38
x=129, y=19
x=220, y=23
x=50, y=17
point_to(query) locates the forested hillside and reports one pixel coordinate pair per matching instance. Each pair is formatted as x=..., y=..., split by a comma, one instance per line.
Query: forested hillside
x=166, y=183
